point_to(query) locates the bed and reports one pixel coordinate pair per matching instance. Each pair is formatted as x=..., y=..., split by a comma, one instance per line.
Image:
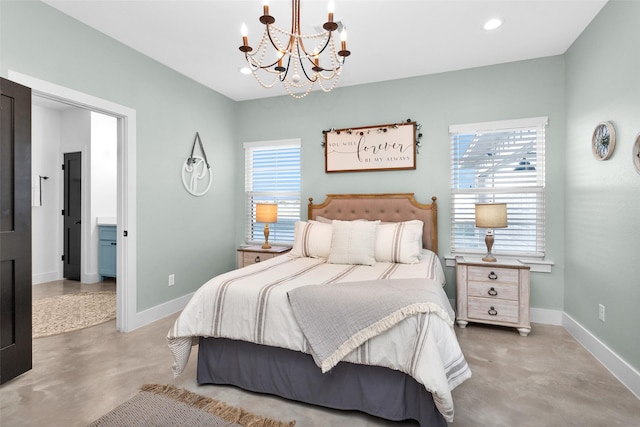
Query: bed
x=385, y=347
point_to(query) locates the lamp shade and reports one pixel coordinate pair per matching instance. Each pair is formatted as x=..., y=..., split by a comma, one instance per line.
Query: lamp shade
x=266, y=212
x=491, y=215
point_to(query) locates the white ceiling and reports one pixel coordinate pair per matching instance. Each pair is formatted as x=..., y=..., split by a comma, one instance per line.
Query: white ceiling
x=388, y=39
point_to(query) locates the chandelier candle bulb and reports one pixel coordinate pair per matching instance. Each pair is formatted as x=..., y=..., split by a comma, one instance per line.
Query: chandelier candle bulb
x=265, y=7
x=245, y=41
x=331, y=10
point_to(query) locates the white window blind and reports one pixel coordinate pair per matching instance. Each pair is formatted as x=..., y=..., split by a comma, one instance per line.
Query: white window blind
x=501, y=162
x=272, y=175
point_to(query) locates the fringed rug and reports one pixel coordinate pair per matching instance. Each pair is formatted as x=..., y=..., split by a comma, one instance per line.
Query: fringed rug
x=66, y=313
x=166, y=405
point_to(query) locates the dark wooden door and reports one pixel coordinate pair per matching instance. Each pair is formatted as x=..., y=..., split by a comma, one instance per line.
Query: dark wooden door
x=71, y=212
x=15, y=230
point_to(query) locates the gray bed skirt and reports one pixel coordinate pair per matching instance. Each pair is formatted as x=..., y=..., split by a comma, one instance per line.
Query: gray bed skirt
x=375, y=390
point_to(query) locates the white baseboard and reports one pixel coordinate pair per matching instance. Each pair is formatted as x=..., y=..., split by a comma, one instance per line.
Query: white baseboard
x=624, y=372
x=158, y=312
x=89, y=278
x=39, y=278
x=545, y=316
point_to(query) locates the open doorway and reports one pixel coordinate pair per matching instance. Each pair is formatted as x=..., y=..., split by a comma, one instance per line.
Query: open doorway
x=126, y=187
x=74, y=164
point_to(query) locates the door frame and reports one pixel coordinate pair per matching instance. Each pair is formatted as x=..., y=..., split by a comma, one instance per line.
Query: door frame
x=126, y=282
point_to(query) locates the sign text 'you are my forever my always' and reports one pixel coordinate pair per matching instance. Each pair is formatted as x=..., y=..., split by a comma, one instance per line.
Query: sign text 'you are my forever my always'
x=389, y=147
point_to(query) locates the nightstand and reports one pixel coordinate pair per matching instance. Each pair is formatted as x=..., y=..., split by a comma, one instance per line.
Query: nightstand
x=248, y=255
x=495, y=293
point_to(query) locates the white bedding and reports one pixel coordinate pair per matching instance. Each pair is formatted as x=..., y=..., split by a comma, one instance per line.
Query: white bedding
x=251, y=304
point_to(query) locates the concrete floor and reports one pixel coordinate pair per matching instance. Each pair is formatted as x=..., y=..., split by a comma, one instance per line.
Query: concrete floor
x=545, y=379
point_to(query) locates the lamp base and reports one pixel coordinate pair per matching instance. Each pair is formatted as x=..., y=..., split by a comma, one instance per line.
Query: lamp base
x=488, y=240
x=266, y=244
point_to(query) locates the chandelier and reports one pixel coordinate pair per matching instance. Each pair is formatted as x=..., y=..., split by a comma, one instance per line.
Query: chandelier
x=298, y=61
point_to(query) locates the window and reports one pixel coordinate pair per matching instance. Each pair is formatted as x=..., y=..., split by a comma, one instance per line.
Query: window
x=501, y=162
x=272, y=175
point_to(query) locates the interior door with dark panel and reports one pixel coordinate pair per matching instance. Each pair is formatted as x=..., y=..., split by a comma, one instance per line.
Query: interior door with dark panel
x=72, y=215
x=15, y=230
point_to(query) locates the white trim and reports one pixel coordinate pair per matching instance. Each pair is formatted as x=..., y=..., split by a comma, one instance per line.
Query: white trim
x=545, y=316
x=499, y=125
x=50, y=276
x=126, y=284
x=620, y=369
x=297, y=142
x=158, y=312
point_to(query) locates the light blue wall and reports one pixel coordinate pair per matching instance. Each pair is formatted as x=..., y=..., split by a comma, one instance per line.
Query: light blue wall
x=177, y=233
x=191, y=237
x=516, y=90
x=603, y=197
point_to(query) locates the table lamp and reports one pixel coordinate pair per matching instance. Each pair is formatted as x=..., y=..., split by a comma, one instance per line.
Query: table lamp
x=490, y=216
x=266, y=213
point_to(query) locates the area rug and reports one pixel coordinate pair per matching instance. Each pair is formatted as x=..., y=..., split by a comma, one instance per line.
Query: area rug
x=66, y=313
x=166, y=405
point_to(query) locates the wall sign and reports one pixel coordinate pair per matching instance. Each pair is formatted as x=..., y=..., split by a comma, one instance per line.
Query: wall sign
x=196, y=171
x=374, y=148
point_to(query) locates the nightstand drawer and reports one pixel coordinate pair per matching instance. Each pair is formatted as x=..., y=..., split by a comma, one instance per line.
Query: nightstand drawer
x=493, y=290
x=254, y=257
x=248, y=255
x=493, y=275
x=493, y=310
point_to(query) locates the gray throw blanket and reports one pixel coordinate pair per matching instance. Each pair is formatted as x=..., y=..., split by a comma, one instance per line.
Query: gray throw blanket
x=337, y=318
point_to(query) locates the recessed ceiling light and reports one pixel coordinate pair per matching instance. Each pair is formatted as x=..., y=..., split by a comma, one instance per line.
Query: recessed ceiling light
x=245, y=70
x=492, y=24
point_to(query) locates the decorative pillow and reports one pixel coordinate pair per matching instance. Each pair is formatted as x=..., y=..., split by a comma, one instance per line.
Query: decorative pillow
x=323, y=220
x=353, y=242
x=311, y=239
x=399, y=242
x=329, y=221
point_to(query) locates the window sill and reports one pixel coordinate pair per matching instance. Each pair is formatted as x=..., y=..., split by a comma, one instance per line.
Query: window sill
x=536, y=265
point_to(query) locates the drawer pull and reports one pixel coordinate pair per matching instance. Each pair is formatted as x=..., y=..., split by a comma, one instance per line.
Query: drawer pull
x=492, y=276
x=257, y=259
x=492, y=311
x=493, y=292
x=113, y=243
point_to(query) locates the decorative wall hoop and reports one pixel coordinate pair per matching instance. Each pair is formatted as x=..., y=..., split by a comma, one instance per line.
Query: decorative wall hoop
x=196, y=171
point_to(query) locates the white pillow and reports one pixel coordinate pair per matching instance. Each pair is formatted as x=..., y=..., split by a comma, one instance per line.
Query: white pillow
x=311, y=239
x=323, y=220
x=353, y=242
x=399, y=242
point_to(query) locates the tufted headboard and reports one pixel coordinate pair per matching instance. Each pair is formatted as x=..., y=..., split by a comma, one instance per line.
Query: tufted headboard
x=389, y=207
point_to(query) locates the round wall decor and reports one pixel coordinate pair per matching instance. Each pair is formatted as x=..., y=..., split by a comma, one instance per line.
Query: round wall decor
x=636, y=153
x=196, y=171
x=196, y=176
x=603, y=141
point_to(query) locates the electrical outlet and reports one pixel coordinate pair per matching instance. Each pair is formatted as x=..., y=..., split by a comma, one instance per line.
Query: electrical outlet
x=601, y=312
x=172, y=279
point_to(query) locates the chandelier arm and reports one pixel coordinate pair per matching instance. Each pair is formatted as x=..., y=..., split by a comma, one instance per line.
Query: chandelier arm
x=283, y=76
x=323, y=47
x=303, y=69
x=258, y=65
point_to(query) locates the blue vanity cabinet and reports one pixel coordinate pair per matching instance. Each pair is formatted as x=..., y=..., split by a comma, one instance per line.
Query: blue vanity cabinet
x=107, y=241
